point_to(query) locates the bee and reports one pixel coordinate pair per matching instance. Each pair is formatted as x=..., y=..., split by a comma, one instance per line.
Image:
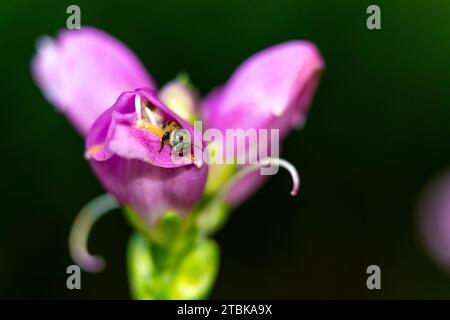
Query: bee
x=170, y=132
x=175, y=136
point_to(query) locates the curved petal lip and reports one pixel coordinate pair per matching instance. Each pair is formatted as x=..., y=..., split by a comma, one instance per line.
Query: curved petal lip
x=114, y=132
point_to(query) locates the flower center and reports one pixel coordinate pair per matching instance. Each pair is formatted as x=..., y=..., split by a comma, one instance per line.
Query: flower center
x=171, y=133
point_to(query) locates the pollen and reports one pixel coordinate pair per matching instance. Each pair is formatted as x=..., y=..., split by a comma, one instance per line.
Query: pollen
x=94, y=149
x=142, y=124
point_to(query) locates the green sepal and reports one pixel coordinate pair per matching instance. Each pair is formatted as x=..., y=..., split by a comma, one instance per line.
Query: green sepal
x=168, y=230
x=218, y=176
x=196, y=273
x=141, y=268
x=184, y=78
x=213, y=216
x=174, y=259
x=135, y=221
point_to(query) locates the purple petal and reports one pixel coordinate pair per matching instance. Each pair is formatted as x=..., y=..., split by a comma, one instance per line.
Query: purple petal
x=435, y=220
x=127, y=161
x=272, y=89
x=82, y=72
x=246, y=187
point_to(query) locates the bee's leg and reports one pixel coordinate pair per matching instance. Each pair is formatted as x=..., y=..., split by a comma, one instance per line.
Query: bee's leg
x=180, y=153
x=165, y=136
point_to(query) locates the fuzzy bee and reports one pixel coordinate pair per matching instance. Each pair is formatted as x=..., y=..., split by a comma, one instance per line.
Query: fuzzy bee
x=170, y=132
x=177, y=137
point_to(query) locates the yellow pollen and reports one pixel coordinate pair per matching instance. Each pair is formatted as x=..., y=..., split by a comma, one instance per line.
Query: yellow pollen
x=94, y=149
x=142, y=124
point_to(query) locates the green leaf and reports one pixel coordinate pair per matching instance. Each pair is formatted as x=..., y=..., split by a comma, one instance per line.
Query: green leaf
x=196, y=273
x=141, y=268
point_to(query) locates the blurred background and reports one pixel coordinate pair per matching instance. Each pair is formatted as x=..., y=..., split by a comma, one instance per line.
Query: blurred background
x=378, y=132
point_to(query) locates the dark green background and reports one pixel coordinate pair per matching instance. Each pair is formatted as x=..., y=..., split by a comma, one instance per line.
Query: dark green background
x=377, y=133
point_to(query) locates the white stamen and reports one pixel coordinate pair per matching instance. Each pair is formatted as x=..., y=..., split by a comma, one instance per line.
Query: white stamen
x=79, y=233
x=222, y=195
x=138, y=106
x=246, y=170
x=151, y=116
x=284, y=164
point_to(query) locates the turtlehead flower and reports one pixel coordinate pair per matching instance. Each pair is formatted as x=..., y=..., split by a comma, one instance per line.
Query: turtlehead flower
x=125, y=150
x=83, y=72
x=272, y=89
x=141, y=144
x=93, y=79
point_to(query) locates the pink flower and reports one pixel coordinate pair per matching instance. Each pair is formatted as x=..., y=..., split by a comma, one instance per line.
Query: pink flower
x=127, y=159
x=83, y=72
x=105, y=92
